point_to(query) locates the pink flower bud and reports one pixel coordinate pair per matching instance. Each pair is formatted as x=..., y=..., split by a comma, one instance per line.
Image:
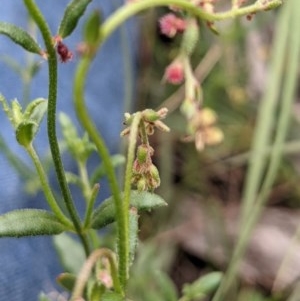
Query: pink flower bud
x=170, y=24
x=174, y=73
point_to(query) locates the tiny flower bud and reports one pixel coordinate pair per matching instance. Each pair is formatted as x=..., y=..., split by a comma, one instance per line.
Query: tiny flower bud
x=154, y=173
x=142, y=153
x=213, y=135
x=203, y=118
x=208, y=116
x=170, y=24
x=141, y=184
x=128, y=118
x=105, y=278
x=174, y=73
x=150, y=115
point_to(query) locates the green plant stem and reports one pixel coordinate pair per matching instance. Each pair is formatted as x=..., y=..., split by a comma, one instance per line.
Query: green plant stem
x=86, y=187
x=84, y=117
x=134, y=131
x=143, y=132
x=90, y=205
x=51, y=119
x=46, y=188
x=265, y=119
x=131, y=9
x=86, y=270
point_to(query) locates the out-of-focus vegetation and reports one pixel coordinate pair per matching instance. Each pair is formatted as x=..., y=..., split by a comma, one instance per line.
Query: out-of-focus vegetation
x=249, y=75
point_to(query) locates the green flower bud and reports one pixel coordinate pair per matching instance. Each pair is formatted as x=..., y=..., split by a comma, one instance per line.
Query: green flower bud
x=141, y=184
x=142, y=153
x=150, y=115
x=155, y=178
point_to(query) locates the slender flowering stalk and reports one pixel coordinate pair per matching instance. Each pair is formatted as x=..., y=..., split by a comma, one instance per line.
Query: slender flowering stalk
x=128, y=11
x=83, y=115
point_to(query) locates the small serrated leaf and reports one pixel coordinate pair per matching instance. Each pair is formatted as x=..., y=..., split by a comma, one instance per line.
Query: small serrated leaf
x=142, y=201
x=29, y=222
x=20, y=36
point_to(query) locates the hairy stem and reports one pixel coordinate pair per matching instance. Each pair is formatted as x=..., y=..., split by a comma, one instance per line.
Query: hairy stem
x=127, y=183
x=51, y=118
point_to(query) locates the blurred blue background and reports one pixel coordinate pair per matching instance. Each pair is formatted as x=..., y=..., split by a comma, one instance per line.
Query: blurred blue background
x=30, y=265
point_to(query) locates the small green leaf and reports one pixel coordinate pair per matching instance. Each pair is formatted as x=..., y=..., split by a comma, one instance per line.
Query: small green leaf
x=80, y=148
x=29, y=222
x=203, y=286
x=37, y=113
x=142, y=201
x=25, y=132
x=36, y=109
x=16, y=115
x=20, y=36
x=91, y=28
x=26, y=124
x=66, y=280
x=75, y=9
